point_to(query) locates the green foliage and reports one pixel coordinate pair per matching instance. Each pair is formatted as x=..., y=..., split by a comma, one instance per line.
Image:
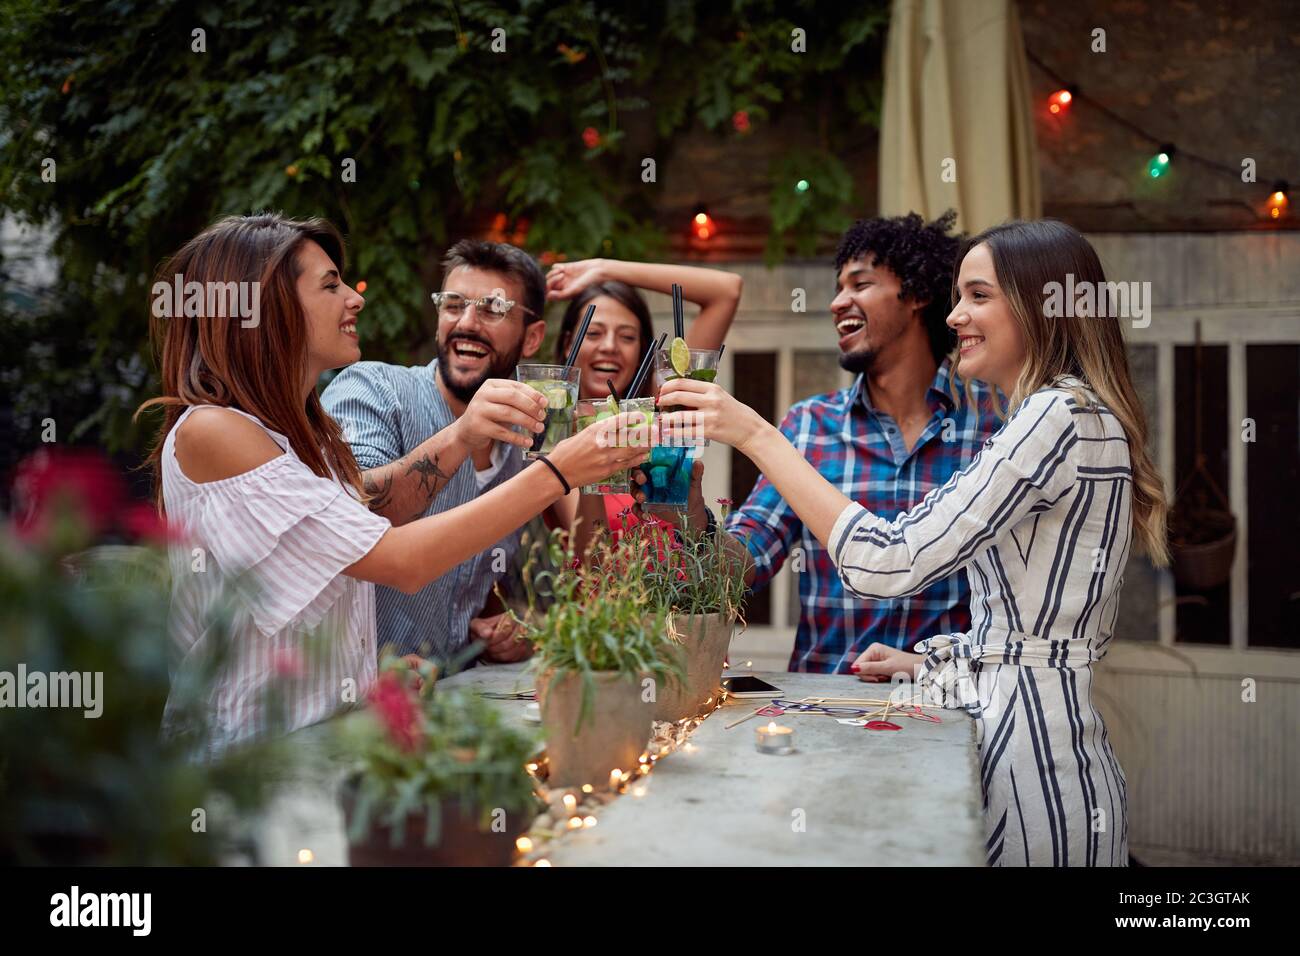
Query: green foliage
x=796, y=215
x=698, y=575
x=602, y=616
x=153, y=141
x=107, y=790
x=467, y=752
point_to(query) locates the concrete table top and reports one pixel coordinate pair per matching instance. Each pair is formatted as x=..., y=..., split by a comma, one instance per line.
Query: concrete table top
x=847, y=796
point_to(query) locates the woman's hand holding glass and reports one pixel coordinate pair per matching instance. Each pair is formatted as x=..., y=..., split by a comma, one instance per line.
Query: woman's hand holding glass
x=602, y=448
x=712, y=413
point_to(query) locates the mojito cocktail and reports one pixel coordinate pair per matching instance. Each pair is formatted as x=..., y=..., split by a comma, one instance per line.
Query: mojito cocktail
x=640, y=412
x=560, y=386
x=668, y=472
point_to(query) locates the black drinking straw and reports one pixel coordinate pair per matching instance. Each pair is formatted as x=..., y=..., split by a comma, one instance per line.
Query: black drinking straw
x=577, y=340
x=639, y=379
x=679, y=319
x=613, y=391
x=721, y=348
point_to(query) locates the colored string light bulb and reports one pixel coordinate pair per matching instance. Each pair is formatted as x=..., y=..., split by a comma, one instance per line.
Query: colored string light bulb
x=702, y=224
x=1060, y=101
x=1278, y=201
x=1159, y=164
x=802, y=186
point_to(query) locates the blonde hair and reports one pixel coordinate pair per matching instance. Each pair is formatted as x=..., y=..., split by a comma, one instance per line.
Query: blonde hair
x=1027, y=256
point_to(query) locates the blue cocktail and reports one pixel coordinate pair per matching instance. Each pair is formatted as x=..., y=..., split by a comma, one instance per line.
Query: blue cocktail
x=668, y=474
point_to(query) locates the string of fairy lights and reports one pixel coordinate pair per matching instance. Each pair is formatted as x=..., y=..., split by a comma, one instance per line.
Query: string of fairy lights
x=704, y=226
x=1276, y=204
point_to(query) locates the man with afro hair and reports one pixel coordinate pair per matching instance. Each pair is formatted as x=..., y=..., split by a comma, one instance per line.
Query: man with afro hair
x=885, y=441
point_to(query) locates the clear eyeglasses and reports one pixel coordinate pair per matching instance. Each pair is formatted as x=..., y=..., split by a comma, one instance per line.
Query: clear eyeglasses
x=491, y=308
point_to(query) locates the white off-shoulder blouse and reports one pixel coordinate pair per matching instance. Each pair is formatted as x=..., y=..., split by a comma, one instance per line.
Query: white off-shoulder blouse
x=274, y=541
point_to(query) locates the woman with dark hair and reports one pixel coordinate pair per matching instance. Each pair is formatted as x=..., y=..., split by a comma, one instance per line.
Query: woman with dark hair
x=1042, y=520
x=265, y=488
x=620, y=334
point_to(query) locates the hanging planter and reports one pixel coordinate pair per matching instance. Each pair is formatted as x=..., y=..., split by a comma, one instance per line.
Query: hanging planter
x=1202, y=527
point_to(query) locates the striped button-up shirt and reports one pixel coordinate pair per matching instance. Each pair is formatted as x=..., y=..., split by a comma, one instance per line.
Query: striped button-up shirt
x=386, y=411
x=861, y=451
x=1042, y=520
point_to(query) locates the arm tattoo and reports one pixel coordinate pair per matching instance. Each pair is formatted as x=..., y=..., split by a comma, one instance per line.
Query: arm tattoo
x=380, y=492
x=379, y=483
x=430, y=474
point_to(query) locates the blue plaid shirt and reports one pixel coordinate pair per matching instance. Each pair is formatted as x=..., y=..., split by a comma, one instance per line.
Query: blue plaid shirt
x=860, y=450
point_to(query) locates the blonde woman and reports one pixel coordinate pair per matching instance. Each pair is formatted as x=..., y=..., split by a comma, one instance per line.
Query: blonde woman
x=1041, y=519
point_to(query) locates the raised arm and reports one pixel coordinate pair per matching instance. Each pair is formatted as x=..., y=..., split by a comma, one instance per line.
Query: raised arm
x=222, y=445
x=1027, y=465
x=411, y=556
x=716, y=292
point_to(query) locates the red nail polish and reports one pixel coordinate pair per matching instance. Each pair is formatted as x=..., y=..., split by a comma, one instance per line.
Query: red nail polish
x=853, y=668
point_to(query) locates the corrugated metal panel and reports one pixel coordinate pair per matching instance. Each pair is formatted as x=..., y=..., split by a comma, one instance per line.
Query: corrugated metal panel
x=1208, y=774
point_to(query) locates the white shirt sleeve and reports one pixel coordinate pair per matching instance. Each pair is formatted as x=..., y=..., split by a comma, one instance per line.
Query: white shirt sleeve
x=284, y=535
x=1027, y=466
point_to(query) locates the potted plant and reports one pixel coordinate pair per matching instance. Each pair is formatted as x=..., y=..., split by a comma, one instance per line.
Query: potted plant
x=601, y=646
x=700, y=580
x=84, y=583
x=439, y=777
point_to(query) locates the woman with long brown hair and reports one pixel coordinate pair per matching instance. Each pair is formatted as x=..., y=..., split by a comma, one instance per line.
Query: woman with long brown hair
x=266, y=489
x=1042, y=520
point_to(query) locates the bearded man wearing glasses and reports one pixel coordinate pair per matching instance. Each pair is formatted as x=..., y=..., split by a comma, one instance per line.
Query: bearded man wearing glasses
x=430, y=437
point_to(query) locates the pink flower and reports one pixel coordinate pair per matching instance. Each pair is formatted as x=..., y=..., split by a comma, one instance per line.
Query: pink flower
x=81, y=478
x=143, y=523
x=396, y=706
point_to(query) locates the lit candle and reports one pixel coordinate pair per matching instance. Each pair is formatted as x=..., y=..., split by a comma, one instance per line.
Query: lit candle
x=774, y=739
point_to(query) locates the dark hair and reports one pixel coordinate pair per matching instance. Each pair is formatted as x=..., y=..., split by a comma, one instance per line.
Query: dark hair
x=921, y=255
x=620, y=292
x=217, y=360
x=508, y=260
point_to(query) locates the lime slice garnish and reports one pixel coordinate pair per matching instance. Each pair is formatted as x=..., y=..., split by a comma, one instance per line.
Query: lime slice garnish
x=557, y=397
x=680, y=354
x=612, y=404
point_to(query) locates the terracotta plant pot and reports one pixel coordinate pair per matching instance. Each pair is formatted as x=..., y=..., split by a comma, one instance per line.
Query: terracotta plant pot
x=612, y=737
x=460, y=842
x=705, y=640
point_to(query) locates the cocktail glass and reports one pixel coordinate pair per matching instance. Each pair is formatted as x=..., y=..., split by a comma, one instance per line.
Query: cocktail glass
x=640, y=412
x=703, y=368
x=560, y=386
